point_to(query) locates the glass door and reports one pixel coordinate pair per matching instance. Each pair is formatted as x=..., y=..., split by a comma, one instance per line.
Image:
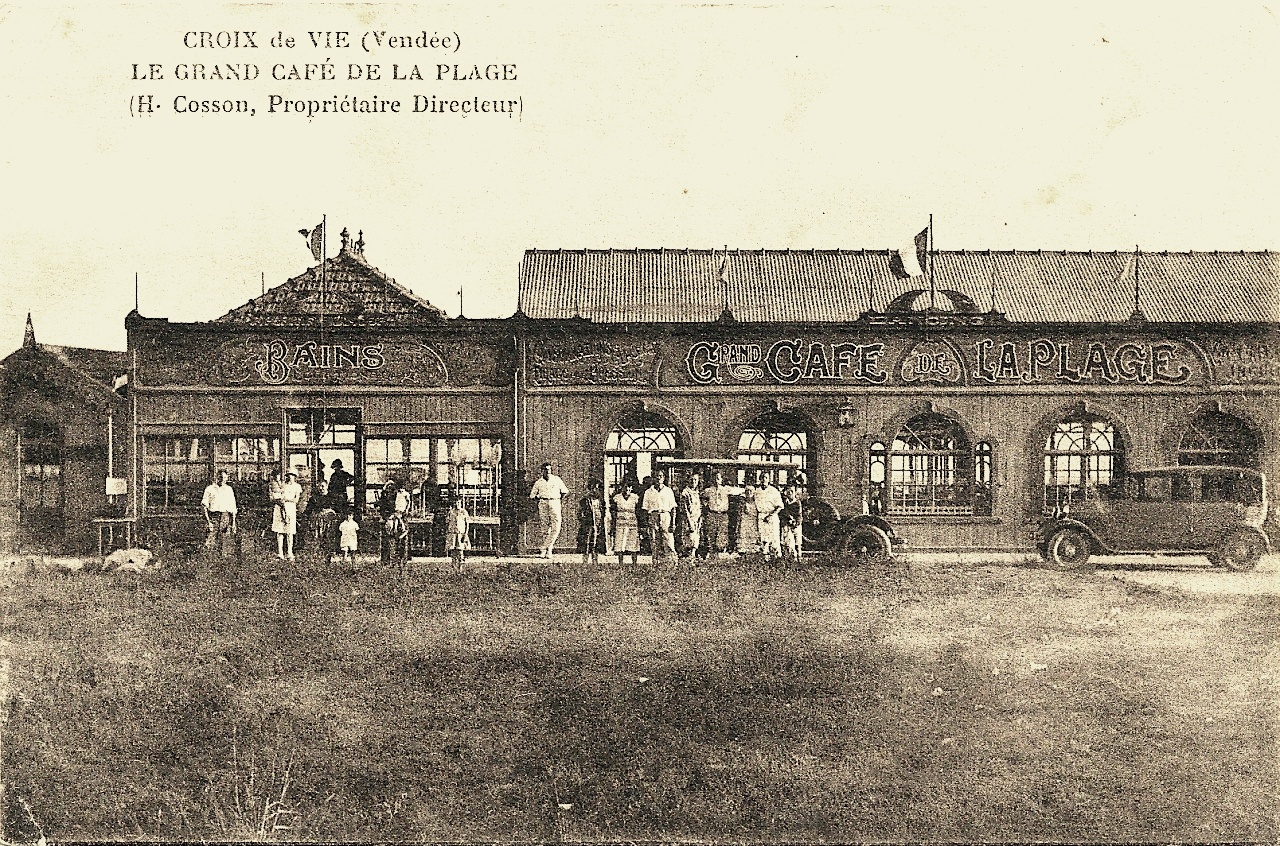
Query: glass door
x=321, y=447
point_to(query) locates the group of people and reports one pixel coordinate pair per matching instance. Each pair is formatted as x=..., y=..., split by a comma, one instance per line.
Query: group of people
x=693, y=522
x=394, y=504
x=328, y=501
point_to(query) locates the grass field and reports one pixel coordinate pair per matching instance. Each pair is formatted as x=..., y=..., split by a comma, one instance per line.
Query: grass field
x=938, y=702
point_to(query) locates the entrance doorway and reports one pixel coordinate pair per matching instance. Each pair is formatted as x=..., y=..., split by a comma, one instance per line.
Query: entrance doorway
x=316, y=439
x=630, y=452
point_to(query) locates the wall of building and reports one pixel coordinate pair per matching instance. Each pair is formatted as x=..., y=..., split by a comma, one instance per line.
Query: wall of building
x=578, y=388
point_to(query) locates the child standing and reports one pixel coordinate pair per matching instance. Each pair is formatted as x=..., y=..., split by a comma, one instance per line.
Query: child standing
x=348, y=531
x=591, y=522
x=457, y=521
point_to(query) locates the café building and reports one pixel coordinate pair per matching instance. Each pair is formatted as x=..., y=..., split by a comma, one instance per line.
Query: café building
x=961, y=404
x=961, y=410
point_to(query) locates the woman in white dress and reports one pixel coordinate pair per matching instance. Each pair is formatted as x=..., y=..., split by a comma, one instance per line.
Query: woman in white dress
x=626, y=530
x=285, y=518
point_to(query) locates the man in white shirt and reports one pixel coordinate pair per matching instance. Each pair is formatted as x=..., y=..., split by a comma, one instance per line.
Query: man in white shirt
x=548, y=491
x=716, y=516
x=219, y=503
x=660, y=503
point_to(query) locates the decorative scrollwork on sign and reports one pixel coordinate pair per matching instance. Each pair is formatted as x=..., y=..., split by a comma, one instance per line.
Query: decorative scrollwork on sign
x=932, y=362
x=557, y=363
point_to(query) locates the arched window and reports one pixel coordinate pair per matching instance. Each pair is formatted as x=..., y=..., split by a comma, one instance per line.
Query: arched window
x=1216, y=437
x=633, y=443
x=779, y=439
x=930, y=468
x=41, y=465
x=1082, y=453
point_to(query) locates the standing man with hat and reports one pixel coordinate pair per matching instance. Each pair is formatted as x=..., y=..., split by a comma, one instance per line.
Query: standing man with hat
x=548, y=491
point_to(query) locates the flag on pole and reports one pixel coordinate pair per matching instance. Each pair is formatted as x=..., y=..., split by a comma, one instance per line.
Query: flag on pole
x=910, y=260
x=315, y=239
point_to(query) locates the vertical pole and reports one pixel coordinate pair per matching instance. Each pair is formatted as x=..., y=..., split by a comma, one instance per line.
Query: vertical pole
x=1136, y=254
x=133, y=468
x=928, y=257
x=135, y=290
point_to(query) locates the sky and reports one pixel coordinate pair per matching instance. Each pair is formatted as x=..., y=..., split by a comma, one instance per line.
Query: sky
x=767, y=125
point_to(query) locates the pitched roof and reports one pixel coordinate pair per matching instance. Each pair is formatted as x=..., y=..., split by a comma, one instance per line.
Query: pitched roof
x=59, y=374
x=99, y=366
x=696, y=286
x=343, y=290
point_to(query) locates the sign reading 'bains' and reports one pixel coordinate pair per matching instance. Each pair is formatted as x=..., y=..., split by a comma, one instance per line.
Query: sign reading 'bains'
x=988, y=361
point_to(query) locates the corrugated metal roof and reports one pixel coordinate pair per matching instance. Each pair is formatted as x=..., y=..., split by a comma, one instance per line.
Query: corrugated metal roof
x=779, y=286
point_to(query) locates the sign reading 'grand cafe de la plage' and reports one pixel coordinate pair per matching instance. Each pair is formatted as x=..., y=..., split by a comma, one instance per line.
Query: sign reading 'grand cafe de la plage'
x=1023, y=376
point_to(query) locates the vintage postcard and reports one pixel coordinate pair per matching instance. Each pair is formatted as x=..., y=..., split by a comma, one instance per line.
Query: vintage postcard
x=613, y=422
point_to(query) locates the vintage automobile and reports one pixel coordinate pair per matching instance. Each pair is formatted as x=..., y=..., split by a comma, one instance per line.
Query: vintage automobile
x=1216, y=511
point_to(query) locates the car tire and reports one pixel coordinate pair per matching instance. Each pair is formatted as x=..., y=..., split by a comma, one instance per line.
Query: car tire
x=864, y=545
x=1241, y=550
x=1069, y=549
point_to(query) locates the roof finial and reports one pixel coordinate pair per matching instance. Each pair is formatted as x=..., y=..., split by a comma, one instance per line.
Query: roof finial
x=360, y=242
x=346, y=237
x=29, y=334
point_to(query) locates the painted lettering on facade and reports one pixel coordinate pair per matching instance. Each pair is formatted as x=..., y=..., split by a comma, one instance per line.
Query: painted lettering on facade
x=931, y=362
x=277, y=361
x=1098, y=362
x=1239, y=362
x=947, y=362
x=787, y=361
x=281, y=361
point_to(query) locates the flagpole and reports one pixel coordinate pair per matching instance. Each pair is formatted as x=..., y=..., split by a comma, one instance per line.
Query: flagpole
x=928, y=257
x=1136, y=253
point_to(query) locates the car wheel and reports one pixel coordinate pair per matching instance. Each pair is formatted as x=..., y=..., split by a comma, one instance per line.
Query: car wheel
x=1240, y=551
x=865, y=545
x=1069, y=549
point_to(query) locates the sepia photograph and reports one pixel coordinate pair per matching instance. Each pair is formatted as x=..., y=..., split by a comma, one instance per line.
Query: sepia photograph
x=621, y=422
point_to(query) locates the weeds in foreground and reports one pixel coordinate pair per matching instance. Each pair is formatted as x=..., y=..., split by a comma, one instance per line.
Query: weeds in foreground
x=252, y=799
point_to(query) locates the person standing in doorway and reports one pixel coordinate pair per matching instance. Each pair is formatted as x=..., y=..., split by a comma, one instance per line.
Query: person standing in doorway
x=548, y=491
x=339, y=481
x=660, y=504
x=219, y=503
